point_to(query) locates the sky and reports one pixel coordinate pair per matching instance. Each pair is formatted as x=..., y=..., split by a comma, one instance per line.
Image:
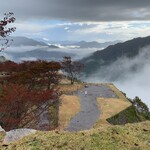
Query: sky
x=76, y=20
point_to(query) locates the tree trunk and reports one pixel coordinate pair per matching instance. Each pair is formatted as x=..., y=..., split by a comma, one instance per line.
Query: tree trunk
x=72, y=81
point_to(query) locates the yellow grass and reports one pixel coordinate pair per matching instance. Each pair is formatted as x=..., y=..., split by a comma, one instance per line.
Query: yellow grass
x=69, y=107
x=120, y=95
x=70, y=104
x=70, y=88
x=111, y=106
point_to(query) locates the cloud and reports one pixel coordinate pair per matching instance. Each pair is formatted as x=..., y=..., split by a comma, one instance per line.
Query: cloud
x=28, y=59
x=66, y=28
x=31, y=27
x=78, y=20
x=45, y=39
x=130, y=75
x=119, y=30
x=79, y=10
x=20, y=49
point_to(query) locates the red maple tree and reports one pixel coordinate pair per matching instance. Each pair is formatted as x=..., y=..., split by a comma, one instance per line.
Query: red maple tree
x=25, y=86
x=17, y=102
x=6, y=31
x=40, y=74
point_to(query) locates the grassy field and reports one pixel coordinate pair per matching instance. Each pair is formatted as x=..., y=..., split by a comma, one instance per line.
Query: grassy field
x=117, y=91
x=69, y=107
x=69, y=103
x=70, y=89
x=111, y=109
x=128, y=137
x=111, y=106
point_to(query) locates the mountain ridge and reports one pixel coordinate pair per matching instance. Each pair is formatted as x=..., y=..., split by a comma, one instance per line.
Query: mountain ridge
x=94, y=44
x=25, y=41
x=110, y=54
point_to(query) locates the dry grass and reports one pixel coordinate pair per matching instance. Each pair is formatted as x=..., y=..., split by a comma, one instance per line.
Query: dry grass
x=111, y=106
x=68, y=88
x=120, y=95
x=69, y=107
x=128, y=137
x=70, y=104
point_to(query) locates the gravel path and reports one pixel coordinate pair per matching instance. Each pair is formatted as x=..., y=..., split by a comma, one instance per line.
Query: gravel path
x=89, y=113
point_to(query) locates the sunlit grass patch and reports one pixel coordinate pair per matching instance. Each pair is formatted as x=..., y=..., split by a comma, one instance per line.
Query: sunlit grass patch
x=111, y=106
x=69, y=107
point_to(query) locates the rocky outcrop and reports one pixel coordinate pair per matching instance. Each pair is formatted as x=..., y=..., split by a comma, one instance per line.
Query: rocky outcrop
x=14, y=135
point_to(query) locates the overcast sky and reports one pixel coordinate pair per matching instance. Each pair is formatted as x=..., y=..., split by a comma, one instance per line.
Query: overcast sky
x=100, y=20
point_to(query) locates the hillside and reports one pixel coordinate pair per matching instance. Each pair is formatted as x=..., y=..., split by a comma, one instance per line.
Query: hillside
x=130, y=136
x=103, y=58
x=24, y=41
x=103, y=135
x=17, y=41
x=94, y=44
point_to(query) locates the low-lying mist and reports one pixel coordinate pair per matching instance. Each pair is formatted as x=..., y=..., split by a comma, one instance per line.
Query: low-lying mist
x=130, y=75
x=21, y=53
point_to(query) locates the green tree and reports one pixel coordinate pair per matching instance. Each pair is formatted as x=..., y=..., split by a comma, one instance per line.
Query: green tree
x=141, y=107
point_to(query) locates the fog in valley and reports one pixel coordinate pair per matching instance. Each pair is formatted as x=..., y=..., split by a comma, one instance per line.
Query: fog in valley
x=22, y=53
x=132, y=76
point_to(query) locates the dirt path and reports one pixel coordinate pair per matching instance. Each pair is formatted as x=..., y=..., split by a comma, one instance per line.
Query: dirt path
x=89, y=113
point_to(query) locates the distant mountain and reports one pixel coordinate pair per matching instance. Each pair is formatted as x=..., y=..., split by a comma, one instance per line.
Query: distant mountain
x=24, y=41
x=40, y=53
x=53, y=46
x=94, y=44
x=45, y=40
x=103, y=58
x=63, y=42
x=79, y=44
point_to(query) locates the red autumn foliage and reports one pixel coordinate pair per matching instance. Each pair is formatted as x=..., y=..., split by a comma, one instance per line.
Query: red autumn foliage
x=32, y=73
x=8, y=67
x=5, y=31
x=17, y=101
x=24, y=87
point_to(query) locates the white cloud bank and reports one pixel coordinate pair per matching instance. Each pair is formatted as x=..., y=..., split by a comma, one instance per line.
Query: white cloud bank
x=131, y=76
